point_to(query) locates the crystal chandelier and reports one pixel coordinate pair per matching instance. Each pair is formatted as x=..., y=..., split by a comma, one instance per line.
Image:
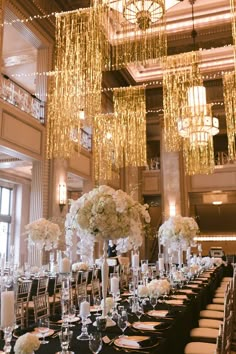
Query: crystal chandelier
x=143, y=12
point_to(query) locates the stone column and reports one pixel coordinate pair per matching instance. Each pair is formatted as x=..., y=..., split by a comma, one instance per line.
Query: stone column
x=36, y=206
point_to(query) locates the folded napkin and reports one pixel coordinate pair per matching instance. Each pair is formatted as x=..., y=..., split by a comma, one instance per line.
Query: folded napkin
x=153, y=325
x=20, y=331
x=129, y=343
x=137, y=341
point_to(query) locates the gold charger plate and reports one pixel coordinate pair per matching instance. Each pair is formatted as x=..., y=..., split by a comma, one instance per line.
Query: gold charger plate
x=158, y=313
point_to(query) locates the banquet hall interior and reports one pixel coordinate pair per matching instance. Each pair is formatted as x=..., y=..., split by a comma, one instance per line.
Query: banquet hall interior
x=62, y=87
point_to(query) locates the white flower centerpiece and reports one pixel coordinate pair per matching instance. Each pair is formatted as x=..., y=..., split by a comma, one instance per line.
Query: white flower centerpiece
x=106, y=214
x=177, y=233
x=79, y=266
x=43, y=233
x=27, y=344
x=158, y=287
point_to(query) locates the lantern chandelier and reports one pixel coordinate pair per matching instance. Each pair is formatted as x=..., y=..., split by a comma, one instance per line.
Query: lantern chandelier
x=188, y=120
x=197, y=123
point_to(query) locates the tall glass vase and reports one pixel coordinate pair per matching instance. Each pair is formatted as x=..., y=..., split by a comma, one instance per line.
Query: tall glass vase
x=180, y=257
x=104, y=271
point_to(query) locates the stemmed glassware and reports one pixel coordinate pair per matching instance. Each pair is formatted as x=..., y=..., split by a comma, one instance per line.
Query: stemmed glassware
x=138, y=309
x=43, y=327
x=65, y=338
x=153, y=300
x=95, y=342
x=97, y=304
x=122, y=321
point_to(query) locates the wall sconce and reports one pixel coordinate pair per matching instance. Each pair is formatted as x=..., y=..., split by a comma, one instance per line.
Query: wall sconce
x=172, y=209
x=62, y=196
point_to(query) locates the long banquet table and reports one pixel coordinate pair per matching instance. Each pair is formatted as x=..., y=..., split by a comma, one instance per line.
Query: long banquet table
x=172, y=339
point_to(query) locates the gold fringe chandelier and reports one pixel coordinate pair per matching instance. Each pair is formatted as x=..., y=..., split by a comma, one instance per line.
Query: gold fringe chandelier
x=229, y=86
x=130, y=108
x=106, y=146
x=188, y=121
x=119, y=139
x=82, y=53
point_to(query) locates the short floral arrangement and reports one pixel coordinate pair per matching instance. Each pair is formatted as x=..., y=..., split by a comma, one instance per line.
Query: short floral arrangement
x=142, y=290
x=80, y=266
x=106, y=214
x=178, y=231
x=109, y=303
x=158, y=287
x=43, y=233
x=26, y=344
x=178, y=276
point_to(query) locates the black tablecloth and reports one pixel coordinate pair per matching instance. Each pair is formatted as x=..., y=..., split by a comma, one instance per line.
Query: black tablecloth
x=180, y=320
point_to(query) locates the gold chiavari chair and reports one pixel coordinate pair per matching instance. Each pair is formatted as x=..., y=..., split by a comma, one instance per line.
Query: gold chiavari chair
x=96, y=288
x=41, y=307
x=23, y=291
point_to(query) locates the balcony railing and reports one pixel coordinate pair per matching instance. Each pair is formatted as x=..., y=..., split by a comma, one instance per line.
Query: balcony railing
x=19, y=97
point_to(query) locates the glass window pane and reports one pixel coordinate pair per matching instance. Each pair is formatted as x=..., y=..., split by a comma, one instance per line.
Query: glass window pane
x=5, y=202
x=3, y=237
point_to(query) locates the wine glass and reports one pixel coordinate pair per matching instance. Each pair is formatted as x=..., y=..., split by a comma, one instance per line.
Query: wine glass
x=153, y=300
x=95, y=342
x=122, y=322
x=138, y=309
x=43, y=327
x=65, y=338
x=97, y=304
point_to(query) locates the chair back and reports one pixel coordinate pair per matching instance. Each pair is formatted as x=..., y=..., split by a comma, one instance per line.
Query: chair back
x=23, y=291
x=41, y=306
x=42, y=285
x=96, y=289
x=20, y=313
x=81, y=289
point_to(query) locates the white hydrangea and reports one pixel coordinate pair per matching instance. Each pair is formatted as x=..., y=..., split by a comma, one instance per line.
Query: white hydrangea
x=106, y=214
x=44, y=233
x=158, y=287
x=80, y=266
x=26, y=344
x=178, y=231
